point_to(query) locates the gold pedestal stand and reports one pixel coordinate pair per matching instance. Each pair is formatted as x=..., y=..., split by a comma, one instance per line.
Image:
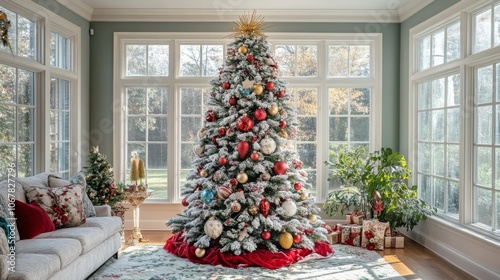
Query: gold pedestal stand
x=136, y=199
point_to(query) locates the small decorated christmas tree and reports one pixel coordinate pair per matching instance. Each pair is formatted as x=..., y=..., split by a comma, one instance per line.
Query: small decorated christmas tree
x=247, y=199
x=101, y=186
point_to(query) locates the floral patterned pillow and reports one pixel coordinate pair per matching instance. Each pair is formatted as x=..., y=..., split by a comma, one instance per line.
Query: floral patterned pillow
x=64, y=204
x=79, y=178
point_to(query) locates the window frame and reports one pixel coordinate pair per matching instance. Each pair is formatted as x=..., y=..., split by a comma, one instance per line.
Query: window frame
x=46, y=22
x=175, y=81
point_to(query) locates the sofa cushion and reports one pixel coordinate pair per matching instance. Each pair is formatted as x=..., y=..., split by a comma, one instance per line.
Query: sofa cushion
x=35, y=266
x=39, y=180
x=110, y=225
x=89, y=237
x=32, y=220
x=64, y=205
x=79, y=178
x=66, y=249
x=19, y=195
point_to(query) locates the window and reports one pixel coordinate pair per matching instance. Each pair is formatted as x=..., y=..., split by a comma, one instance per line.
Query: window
x=302, y=61
x=17, y=119
x=487, y=146
x=455, y=108
x=39, y=109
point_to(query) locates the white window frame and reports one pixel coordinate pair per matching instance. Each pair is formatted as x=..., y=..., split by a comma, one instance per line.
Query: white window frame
x=48, y=21
x=465, y=65
x=174, y=81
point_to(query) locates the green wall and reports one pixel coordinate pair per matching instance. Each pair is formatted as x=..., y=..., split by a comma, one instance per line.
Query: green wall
x=429, y=11
x=55, y=7
x=101, y=67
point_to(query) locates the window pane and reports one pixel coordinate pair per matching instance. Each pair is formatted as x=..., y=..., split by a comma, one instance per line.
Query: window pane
x=157, y=60
x=338, y=129
x=158, y=101
x=25, y=124
x=25, y=87
x=439, y=193
x=453, y=125
x=136, y=101
x=424, y=96
x=136, y=128
x=424, y=53
x=25, y=160
x=26, y=41
x=338, y=101
x=483, y=207
x=424, y=159
x=8, y=153
x=158, y=182
x=307, y=101
x=497, y=37
x=136, y=60
x=424, y=183
x=424, y=126
x=135, y=150
x=190, y=60
x=285, y=56
x=306, y=130
x=484, y=166
x=191, y=101
x=484, y=85
x=453, y=97
x=482, y=31
x=438, y=93
x=453, y=197
x=8, y=123
x=187, y=155
x=497, y=205
x=307, y=154
x=7, y=83
x=497, y=128
x=59, y=51
x=157, y=128
x=338, y=61
x=212, y=59
x=453, y=161
x=157, y=156
x=438, y=159
x=360, y=101
x=307, y=61
x=359, y=61
x=484, y=125
x=497, y=168
x=498, y=81
x=438, y=48
x=189, y=128
x=438, y=125
x=360, y=129
x=453, y=42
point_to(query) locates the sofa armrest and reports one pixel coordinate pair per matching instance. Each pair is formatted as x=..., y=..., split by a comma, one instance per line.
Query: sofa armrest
x=103, y=210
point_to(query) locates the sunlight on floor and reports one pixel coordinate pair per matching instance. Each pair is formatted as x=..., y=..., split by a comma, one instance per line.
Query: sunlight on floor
x=399, y=266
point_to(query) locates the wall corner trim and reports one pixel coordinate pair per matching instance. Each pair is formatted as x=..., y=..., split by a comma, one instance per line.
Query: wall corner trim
x=79, y=7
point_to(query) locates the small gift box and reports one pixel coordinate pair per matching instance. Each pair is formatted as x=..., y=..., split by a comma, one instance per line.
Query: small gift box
x=346, y=232
x=354, y=238
x=355, y=217
x=373, y=235
x=395, y=242
x=334, y=237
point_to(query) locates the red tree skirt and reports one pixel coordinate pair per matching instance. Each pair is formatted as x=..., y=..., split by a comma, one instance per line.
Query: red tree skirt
x=259, y=257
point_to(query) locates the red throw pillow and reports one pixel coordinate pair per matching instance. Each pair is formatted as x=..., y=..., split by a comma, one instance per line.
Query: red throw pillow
x=32, y=220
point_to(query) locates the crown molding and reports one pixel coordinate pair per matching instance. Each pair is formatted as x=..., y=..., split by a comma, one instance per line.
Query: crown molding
x=411, y=8
x=79, y=7
x=206, y=15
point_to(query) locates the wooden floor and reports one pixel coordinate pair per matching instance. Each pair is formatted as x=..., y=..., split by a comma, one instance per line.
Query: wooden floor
x=413, y=262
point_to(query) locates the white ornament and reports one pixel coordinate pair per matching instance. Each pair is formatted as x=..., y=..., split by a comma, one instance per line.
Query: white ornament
x=201, y=133
x=240, y=195
x=198, y=150
x=242, y=234
x=247, y=84
x=290, y=207
x=213, y=228
x=267, y=145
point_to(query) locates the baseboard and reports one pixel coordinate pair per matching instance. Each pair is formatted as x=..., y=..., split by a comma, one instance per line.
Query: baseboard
x=455, y=256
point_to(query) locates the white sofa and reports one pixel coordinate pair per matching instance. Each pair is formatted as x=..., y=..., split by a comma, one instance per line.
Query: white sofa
x=67, y=253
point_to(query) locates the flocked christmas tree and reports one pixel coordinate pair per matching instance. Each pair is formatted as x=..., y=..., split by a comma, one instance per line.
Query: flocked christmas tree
x=100, y=183
x=248, y=190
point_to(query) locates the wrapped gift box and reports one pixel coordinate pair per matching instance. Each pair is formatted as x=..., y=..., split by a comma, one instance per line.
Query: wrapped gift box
x=355, y=236
x=377, y=229
x=388, y=230
x=356, y=217
x=334, y=237
x=346, y=232
x=395, y=242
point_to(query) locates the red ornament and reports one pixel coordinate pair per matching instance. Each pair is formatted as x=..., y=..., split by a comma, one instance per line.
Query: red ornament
x=280, y=167
x=265, y=235
x=249, y=58
x=222, y=131
x=243, y=148
x=254, y=156
x=222, y=161
x=226, y=85
x=214, y=140
x=269, y=85
x=233, y=181
x=210, y=116
x=281, y=93
x=244, y=124
x=297, y=186
x=254, y=138
x=282, y=124
x=184, y=202
x=264, y=207
x=260, y=114
x=297, y=238
x=233, y=101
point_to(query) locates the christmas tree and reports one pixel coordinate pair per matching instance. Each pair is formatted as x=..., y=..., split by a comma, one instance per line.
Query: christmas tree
x=101, y=187
x=248, y=191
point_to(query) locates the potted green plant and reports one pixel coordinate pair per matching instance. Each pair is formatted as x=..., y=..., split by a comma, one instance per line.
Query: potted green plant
x=375, y=180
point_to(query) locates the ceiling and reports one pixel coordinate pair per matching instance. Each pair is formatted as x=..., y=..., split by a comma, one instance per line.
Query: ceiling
x=229, y=10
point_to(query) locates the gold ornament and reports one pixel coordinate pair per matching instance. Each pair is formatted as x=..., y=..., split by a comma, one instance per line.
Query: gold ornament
x=242, y=50
x=281, y=111
x=258, y=89
x=253, y=210
x=273, y=110
x=285, y=240
x=204, y=173
x=312, y=218
x=250, y=26
x=282, y=133
x=242, y=177
x=304, y=195
x=199, y=252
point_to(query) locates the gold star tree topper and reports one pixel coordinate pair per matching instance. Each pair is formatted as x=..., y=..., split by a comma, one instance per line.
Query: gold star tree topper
x=249, y=25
